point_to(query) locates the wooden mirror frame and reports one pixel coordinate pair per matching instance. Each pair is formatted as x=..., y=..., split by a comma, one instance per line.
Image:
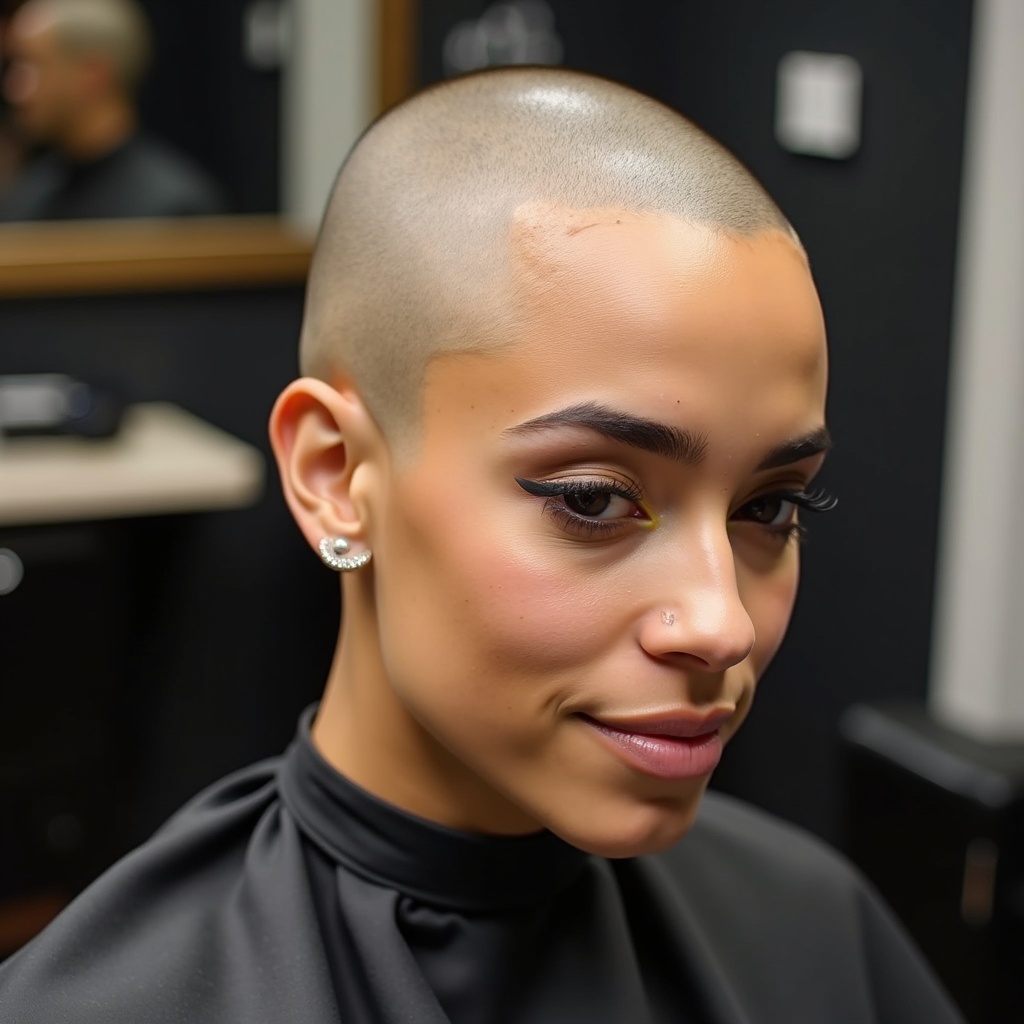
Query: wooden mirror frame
x=110, y=256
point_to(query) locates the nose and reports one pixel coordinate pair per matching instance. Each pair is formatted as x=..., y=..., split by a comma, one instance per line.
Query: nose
x=695, y=610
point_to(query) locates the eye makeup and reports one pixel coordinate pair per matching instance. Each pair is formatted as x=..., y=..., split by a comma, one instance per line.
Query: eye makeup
x=599, y=506
x=591, y=506
x=774, y=511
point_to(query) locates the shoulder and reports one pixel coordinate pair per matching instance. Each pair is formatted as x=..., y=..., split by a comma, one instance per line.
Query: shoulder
x=143, y=942
x=787, y=881
x=165, y=180
x=796, y=929
x=29, y=195
x=731, y=837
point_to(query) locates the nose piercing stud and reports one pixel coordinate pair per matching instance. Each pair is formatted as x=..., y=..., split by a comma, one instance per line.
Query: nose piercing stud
x=334, y=553
x=668, y=618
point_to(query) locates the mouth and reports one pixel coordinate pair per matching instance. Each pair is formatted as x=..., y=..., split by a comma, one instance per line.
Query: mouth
x=671, y=747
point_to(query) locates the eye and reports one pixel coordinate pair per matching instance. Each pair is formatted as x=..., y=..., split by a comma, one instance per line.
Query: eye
x=588, y=506
x=776, y=512
x=768, y=510
x=596, y=502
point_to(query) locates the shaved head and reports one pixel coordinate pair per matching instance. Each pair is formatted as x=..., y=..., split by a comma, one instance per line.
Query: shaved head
x=115, y=29
x=415, y=255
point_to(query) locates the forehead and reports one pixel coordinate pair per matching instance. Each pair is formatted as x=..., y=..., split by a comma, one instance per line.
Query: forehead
x=618, y=285
x=643, y=264
x=651, y=315
x=34, y=34
x=34, y=19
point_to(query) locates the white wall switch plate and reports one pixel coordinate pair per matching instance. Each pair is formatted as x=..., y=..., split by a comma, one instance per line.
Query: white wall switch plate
x=818, y=104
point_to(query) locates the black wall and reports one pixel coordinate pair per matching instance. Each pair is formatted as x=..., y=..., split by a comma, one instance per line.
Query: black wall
x=881, y=232
x=225, y=622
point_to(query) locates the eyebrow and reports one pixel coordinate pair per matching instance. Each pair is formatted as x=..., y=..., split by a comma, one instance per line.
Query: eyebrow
x=685, y=446
x=814, y=443
x=672, y=442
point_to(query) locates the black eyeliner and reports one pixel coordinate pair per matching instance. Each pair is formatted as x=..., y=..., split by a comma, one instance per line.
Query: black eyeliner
x=559, y=488
x=539, y=488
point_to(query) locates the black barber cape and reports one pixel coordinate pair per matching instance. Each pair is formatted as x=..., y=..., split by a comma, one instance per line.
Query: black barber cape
x=142, y=177
x=285, y=894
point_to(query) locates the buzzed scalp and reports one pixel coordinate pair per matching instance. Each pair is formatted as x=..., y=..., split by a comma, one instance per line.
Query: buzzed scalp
x=117, y=29
x=413, y=252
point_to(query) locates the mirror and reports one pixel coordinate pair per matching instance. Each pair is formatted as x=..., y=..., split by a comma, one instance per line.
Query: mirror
x=182, y=95
x=226, y=89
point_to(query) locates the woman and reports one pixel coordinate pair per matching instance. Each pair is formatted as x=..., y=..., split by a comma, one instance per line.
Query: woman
x=562, y=409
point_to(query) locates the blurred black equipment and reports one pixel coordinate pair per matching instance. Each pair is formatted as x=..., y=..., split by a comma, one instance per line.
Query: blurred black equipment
x=936, y=821
x=56, y=404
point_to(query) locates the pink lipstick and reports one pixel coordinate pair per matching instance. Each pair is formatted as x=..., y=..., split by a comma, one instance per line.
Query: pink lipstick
x=672, y=748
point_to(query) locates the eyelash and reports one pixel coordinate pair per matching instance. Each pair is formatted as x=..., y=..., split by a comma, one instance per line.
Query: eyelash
x=816, y=501
x=571, y=521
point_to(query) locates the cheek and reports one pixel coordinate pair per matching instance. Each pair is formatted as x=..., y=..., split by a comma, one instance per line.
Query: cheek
x=495, y=644
x=468, y=594
x=511, y=605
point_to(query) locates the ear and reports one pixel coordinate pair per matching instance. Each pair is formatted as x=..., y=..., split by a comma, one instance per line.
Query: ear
x=325, y=442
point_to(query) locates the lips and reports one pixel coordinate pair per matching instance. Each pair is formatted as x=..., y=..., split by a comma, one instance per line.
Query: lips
x=673, y=747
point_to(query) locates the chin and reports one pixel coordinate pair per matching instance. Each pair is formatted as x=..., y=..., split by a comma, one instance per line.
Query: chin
x=648, y=828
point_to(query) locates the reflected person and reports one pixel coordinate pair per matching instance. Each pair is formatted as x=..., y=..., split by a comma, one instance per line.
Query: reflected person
x=74, y=70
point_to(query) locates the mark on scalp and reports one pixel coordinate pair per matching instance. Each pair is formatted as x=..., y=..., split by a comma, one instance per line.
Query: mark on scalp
x=540, y=231
x=543, y=216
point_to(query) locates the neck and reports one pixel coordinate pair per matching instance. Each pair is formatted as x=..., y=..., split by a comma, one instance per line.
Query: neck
x=364, y=730
x=99, y=129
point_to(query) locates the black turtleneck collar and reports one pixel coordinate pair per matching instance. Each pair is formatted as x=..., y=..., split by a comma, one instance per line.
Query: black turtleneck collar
x=438, y=865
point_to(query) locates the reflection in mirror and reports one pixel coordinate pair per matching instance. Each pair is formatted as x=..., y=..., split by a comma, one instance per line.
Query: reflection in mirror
x=108, y=132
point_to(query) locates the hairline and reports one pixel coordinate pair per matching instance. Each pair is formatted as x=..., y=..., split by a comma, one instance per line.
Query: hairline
x=647, y=159
x=404, y=440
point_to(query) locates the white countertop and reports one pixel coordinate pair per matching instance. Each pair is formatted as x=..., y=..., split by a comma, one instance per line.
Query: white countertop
x=163, y=460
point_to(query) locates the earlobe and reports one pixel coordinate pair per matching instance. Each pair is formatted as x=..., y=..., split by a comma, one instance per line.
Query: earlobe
x=320, y=436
